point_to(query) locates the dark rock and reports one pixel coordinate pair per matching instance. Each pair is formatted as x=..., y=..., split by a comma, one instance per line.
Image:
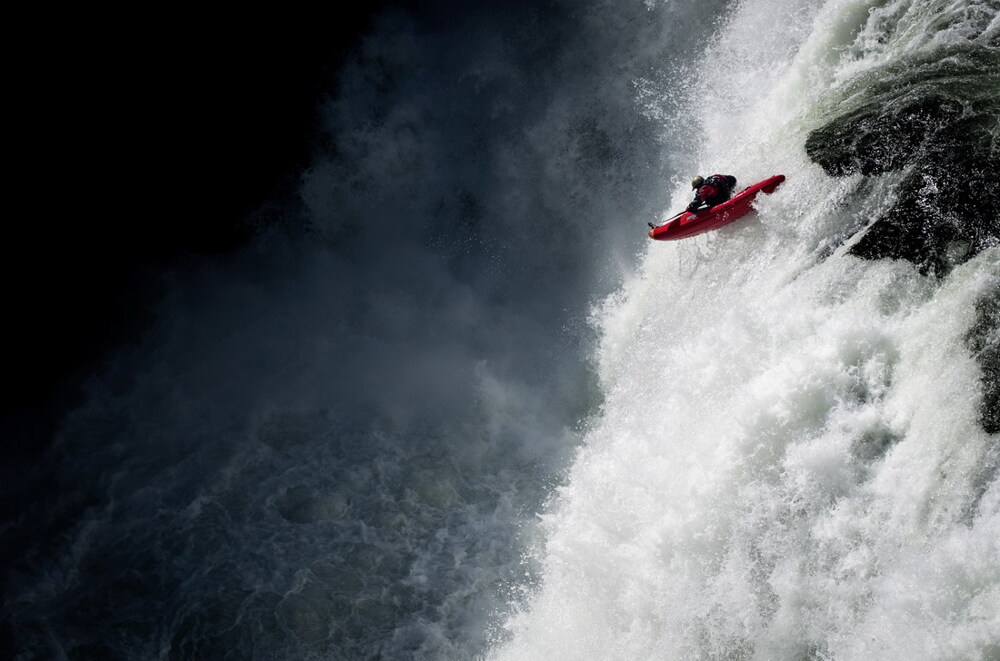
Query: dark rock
x=935, y=121
x=879, y=137
x=984, y=342
x=948, y=206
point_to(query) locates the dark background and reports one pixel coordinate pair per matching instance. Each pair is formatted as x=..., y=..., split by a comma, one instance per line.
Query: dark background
x=140, y=145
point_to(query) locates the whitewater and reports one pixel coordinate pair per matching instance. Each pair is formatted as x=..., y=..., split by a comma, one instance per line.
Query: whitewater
x=790, y=461
x=452, y=403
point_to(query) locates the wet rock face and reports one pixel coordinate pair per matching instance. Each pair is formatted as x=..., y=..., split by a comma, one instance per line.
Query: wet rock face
x=984, y=342
x=879, y=137
x=937, y=122
x=940, y=129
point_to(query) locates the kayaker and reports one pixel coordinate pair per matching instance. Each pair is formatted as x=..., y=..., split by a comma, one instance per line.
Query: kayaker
x=712, y=190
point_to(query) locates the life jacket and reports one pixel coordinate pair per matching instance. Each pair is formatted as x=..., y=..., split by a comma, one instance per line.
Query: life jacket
x=721, y=182
x=715, y=187
x=708, y=191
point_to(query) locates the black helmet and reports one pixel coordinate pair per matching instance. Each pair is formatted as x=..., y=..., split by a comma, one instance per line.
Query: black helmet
x=697, y=182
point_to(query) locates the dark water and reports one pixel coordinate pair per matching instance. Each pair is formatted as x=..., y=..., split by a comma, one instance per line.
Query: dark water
x=321, y=444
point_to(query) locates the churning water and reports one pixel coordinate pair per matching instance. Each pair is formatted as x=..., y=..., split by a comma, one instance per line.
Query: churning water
x=796, y=457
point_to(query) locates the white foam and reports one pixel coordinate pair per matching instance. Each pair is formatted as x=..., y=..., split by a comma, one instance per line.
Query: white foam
x=788, y=463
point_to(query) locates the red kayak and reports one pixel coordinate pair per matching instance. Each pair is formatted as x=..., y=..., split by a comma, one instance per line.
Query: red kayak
x=688, y=223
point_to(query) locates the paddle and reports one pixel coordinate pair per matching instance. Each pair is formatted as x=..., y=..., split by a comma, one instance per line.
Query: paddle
x=652, y=226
